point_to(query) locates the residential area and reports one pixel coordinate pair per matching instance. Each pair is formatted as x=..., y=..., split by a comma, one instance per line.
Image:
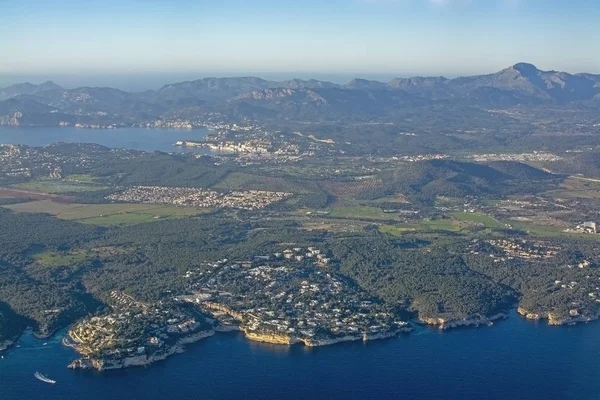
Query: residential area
x=183, y=196
x=295, y=298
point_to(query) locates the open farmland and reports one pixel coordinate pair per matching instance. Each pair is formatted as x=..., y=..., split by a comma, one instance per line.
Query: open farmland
x=106, y=214
x=478, y=218
x=361, y=212
x=60, y=186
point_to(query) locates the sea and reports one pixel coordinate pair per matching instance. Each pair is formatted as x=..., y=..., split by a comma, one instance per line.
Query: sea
x=143, y=139
x=513, y=359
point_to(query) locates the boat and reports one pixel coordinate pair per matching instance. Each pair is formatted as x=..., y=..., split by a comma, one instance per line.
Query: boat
x=44, y=378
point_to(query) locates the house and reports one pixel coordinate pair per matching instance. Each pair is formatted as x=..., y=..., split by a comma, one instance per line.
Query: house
x=590, y=226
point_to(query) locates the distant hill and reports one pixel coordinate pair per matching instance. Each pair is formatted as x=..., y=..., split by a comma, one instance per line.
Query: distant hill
x=312, y=100
x=528, y=82
x=26, y=88
x=424, y=181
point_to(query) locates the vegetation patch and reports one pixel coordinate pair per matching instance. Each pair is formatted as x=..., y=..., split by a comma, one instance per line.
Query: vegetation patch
x=62, y=259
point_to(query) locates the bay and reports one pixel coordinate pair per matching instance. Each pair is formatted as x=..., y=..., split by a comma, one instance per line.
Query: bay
x=514, y=359
x=143, y=139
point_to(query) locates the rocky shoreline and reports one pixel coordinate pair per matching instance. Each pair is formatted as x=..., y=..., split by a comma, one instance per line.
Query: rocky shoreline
x=554, y=319
x=135, y=361
x=275, y=338
x=5, y=345
x=288, y=340
x=474, y=321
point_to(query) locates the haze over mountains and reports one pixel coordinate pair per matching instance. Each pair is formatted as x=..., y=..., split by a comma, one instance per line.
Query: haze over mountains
x=251, y=97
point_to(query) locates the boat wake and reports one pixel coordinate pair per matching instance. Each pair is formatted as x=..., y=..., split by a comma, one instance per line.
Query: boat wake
x=44, y=378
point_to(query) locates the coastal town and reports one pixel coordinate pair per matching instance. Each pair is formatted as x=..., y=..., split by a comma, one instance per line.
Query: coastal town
x=297, y=298
x=134, y=333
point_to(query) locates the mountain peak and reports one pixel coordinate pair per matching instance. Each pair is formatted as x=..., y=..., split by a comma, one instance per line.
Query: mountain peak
x=48, y=85
x=525, y=68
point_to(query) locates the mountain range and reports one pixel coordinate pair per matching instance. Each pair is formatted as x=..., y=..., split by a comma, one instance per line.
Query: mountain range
x=304, y=100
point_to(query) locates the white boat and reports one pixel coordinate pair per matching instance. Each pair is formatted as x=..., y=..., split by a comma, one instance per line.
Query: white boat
x=44, y=378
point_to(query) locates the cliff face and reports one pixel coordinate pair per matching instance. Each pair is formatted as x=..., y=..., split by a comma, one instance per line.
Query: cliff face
x=325, y=342
x=275, y=338
x=527, y=314
x=139, y=360
x=269, y=337
x=11, y=119
x=556, y=319
x=475, y=321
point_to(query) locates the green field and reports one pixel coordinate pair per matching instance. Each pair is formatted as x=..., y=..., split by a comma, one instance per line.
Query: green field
x=486, y=220
x=397, y=230
x=440, y=225
x=56, y=259
x=360, y=212
x=107, y=214
x=423, y=226
x=60, y=186
x=81, y=178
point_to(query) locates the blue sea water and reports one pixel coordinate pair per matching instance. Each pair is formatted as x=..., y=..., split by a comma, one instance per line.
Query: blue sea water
x=514, y=359
x=131, y=138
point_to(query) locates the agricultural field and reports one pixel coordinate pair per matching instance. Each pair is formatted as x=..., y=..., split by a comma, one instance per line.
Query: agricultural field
x=448, y=225
x=577, y=187
x=107, y=214
x=349, y=189
x=361, y=212
x=479, y=218
x=81, y=178
x=61, y=186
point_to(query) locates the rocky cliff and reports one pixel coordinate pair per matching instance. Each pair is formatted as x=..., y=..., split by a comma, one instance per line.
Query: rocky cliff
x=476, y=320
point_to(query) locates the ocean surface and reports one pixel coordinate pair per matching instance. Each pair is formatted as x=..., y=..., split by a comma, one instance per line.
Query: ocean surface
x=514, y=359
x=130, y=138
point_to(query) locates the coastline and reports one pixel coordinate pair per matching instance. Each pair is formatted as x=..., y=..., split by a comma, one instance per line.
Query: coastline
x=554, y=320
x=134, y=361
x=86, y=362
x=275, y=338
x=5, y=345
x=473, y=321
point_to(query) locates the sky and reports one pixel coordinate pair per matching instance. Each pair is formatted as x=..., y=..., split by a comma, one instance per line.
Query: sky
x=149, y=40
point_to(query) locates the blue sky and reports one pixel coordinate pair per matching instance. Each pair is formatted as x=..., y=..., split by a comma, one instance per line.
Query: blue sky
x=303, y=37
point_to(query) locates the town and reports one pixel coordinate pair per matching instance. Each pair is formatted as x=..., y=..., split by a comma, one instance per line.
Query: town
x=134, y=333
x=192, y=197
x=296, y=298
